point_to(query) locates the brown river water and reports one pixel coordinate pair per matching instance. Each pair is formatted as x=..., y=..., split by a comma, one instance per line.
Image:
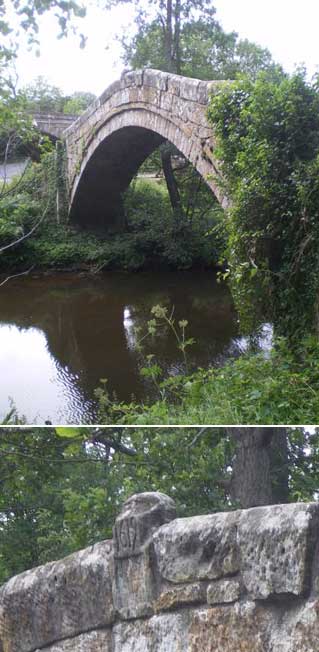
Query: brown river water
x=60, y=334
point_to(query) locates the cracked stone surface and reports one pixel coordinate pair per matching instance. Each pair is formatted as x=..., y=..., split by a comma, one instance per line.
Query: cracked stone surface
x=200, y=547
x=275, y=547
x=58, y=600
x=242, y=581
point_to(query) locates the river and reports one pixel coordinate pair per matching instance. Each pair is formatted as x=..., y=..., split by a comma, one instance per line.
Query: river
x=60, y=334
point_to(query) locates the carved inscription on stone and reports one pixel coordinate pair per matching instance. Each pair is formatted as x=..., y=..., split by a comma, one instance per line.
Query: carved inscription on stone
x=126, y=539
x=141, y=515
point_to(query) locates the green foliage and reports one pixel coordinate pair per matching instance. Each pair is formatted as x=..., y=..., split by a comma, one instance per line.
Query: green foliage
x=194, y=241
x=15, y=124
x=62, y=493
x=268, y=145
x=40, y=96
x=27, y=16
x=78, y=102
x=25, y=201
x=151, y=238
x=206, y=51
x=56, y=497
x=17, y=214
x=282, y=388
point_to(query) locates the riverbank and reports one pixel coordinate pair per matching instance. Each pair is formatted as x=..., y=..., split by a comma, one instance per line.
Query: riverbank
x=151, y=237
x=281, y=388
x=62, y=247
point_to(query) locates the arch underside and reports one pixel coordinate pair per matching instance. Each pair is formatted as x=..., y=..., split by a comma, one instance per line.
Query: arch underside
x=112, y=160
x=98, y=199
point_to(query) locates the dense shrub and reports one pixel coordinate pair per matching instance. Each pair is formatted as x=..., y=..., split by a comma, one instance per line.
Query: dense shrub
x=152, y=237
x=282, y=388
x=268, y=145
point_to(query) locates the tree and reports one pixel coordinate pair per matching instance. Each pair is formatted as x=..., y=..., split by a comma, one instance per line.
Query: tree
x=206, y=51
x=249, y=466
x=27, y=15
x=260, y=467
x=61, y=492
x=168, y=17
x=268, y=143
x=78, y=102
x=40, y=96
x=185, y=38
x=56, y=496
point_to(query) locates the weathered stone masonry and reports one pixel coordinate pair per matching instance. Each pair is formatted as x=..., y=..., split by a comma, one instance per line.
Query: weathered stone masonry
x=109, y=142
x=244, y=581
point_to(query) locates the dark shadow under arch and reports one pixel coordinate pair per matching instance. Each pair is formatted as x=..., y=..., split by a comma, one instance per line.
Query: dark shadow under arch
x=97, y=202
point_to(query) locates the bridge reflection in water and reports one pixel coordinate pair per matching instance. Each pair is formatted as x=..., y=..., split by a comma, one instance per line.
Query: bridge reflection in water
x=59, y=335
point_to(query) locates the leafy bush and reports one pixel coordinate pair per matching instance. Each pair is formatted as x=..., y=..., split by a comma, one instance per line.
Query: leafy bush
x=280, y=389
x=17, y=214
x=161, y=239
x=268, y=145
x=152, y=238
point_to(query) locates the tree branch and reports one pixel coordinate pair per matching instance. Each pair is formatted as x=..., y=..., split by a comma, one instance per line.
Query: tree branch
x=15, y=275
x=27, y=235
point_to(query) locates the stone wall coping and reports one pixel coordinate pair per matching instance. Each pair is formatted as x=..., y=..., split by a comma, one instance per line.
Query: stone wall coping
x=176, y=84
x=253, y=565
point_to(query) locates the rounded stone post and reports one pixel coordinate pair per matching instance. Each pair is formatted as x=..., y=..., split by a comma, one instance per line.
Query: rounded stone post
x=134, y=589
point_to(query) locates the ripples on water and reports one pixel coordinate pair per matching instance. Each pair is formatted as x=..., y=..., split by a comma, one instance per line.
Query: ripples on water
x=60, y=334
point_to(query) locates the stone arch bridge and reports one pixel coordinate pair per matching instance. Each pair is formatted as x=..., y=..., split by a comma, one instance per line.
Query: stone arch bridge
x=108, y=143
x=53, y=124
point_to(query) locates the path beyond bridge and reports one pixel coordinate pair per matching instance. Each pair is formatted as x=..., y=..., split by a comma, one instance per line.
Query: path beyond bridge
x=108, y=143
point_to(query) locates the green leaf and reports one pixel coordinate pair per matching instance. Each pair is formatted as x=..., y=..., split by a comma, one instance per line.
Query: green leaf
x=69, y=432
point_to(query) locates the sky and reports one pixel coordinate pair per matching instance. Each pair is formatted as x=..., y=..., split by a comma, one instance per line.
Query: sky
x=288, y=28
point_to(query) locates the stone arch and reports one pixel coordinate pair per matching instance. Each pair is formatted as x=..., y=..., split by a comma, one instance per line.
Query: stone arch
x=109, y=143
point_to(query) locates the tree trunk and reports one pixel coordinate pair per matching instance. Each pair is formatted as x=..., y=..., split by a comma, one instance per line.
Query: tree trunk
x=172, y=186
x=260, y=469
x=279, y=466
x=169, y=37
x=177, y=37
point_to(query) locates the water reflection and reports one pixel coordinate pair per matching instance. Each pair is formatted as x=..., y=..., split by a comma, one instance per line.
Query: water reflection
x=60, y=334
x=34, y=377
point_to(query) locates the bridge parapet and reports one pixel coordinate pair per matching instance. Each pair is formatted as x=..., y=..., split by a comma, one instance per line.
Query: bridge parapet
x=242, y=580
x=53, y=124
x=194, y=90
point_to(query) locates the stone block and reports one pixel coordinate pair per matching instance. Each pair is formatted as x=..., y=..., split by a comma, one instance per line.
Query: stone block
x=167, y=102
x=242, y=627
x=151, y=96
x=304, y=636
x=132, y=78
x=198, y=548
x=155, y=78
x=174, y=84
x=99, y=641
x=134, y=587
x=179, y=108
x=202, y=92
x=189, y=89
x=58, y=600
x=185, y=594
x=223, y=591
x=109, y=91
x=196, y=113
x=162, y=633
x=141, y=515
x=276, y=547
